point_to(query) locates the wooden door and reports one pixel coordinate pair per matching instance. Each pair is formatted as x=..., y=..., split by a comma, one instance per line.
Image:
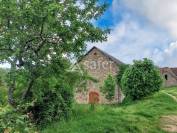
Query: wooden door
x=93, y=97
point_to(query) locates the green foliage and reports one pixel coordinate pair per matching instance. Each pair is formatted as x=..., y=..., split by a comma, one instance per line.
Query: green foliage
x=51, y=95
x=141, y=79
x=122, y=69
x=12, y=121
x=35, y=37
x=37, y=34
x=55, y=104
x=136, y=117
x=3, y=87
x=3, y=95
x=109, y=87
x=3, y=76
x=1, y=82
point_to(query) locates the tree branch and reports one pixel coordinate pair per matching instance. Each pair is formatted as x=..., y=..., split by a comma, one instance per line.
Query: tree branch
x=11, y=89
x=30, y=84
x=10, y=93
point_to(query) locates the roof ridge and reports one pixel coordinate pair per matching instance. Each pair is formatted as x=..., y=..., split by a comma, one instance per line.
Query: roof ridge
x=173, y=73
x=108, y=55
x=174, y=70
x=104, y=53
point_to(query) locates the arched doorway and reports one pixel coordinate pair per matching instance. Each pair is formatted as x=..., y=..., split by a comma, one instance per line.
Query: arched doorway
x=93, y=97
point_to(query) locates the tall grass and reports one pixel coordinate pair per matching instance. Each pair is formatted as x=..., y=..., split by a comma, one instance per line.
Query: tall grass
x=137, y=117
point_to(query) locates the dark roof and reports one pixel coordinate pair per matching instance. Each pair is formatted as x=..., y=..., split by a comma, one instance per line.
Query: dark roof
x=105, y=54
x=164, y=69
x=174, y=71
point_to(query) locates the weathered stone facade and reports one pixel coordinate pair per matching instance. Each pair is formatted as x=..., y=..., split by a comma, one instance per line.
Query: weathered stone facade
x=169, y=76
x=98, y=64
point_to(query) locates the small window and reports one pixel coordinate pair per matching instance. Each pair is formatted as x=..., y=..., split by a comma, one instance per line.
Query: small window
x=95, y=53
x=166, y=77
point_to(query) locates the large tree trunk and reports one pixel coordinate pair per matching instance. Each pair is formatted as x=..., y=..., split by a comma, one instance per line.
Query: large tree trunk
x=10, y=94
x=12, y=83
x=25, y=94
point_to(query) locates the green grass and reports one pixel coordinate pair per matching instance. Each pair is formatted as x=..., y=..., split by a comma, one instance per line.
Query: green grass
x=138, y=117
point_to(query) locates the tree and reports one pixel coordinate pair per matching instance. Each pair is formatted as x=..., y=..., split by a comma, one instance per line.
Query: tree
x=121, y=71
x=109, y=87
x=35, y=34
x=141, y=79
x=1, y=82
x=3, y=74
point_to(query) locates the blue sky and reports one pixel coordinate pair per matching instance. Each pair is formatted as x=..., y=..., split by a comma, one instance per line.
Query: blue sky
x=141, y=29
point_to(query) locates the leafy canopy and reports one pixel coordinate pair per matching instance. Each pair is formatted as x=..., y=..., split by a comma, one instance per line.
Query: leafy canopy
x=141, y=79
x=37, y=33
x=38, y=38
x=33, y=30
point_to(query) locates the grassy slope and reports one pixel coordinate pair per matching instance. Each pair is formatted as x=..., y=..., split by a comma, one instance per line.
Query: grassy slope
x=139, y=117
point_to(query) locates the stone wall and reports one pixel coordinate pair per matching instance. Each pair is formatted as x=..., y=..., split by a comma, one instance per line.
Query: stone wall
x=169, y=78
x=98, y=66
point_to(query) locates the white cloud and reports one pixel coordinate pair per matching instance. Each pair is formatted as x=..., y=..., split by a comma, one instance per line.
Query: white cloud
x=161, y=12
x=169, y=55
x=130, y=40
x=133, y=38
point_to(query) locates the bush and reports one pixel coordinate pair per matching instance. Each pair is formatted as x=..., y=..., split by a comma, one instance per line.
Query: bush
x=109, y=88
x=121, y=71
x=52, y=104
x=141, y=79
x=12, y=121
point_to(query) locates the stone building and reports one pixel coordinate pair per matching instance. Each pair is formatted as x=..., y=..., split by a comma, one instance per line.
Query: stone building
x=99, y=65
x=169, y=76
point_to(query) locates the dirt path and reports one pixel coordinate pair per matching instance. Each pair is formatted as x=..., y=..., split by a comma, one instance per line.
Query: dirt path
x=169, y=122
x=172, y=96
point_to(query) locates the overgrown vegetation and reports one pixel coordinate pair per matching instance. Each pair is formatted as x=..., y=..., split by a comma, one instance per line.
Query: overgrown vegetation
x=3, y=88
x=121, y=71
x=54, y=102
x=141, y=79
x=108, y=88
x=12, y=121
x=135, y=117
x=38, y=40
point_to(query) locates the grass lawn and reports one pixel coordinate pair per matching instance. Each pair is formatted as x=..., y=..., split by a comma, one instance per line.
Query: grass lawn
x=138, y=117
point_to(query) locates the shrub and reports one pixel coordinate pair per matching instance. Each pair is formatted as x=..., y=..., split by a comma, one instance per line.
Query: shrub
x=122, y=69
x=109, y=87
x=141, y=79
x=51, y=104
x=12, y=121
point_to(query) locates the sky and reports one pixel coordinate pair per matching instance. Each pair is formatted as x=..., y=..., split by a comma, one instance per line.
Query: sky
x=141, y=29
